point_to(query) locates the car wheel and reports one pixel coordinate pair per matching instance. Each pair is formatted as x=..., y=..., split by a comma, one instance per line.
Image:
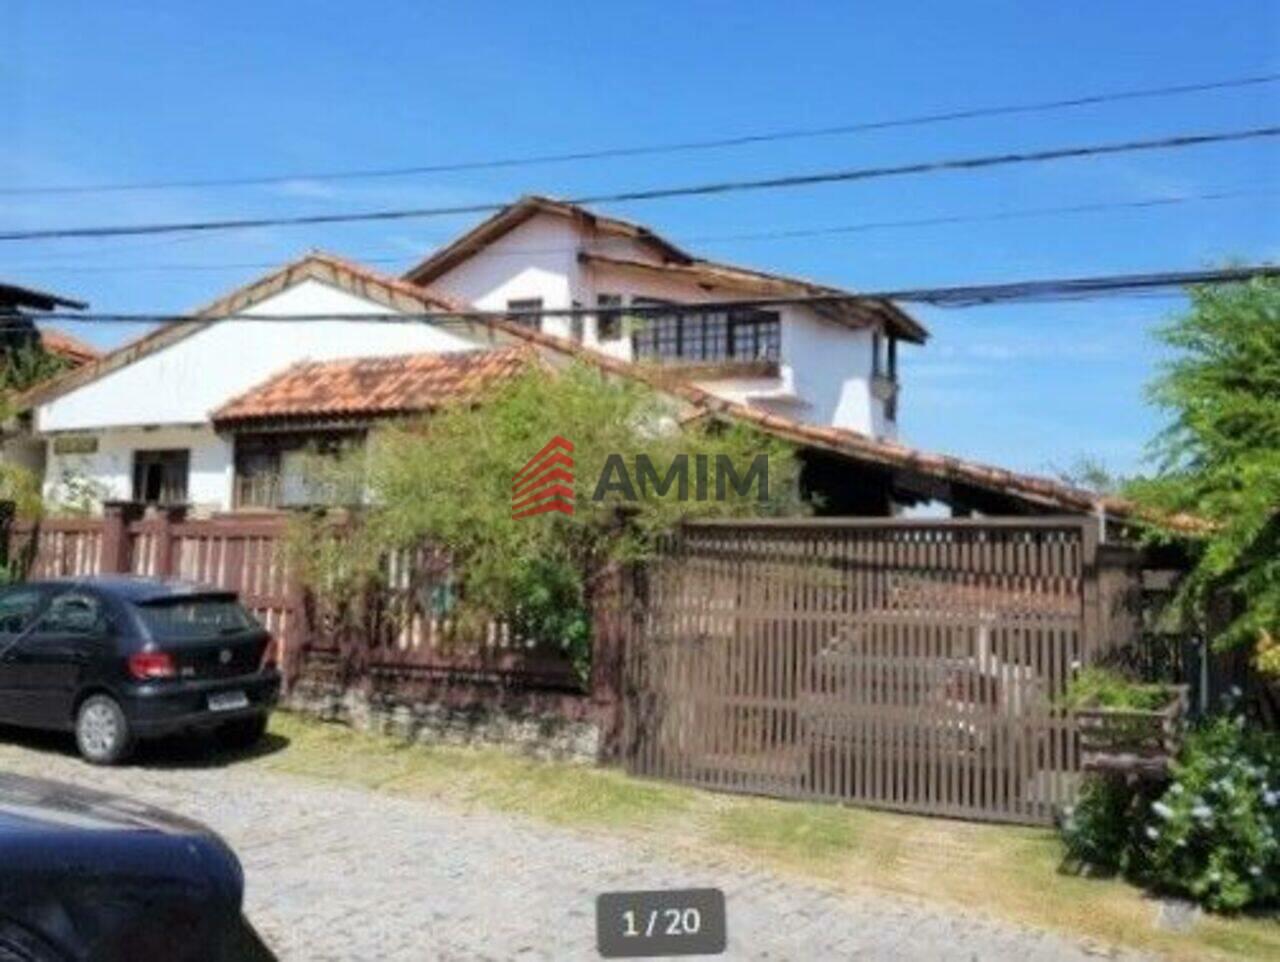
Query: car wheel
x=102, y=731
x=243, y=732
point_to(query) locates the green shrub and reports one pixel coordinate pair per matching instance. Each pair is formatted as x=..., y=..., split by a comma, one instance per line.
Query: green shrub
x=549, y=606
x=1098, y=831
x=1096, y=687
x=1214, y=835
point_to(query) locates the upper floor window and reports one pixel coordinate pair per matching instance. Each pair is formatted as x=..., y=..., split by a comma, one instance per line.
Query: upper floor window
x=609, y=326
x=525, y=311
x=160, y=477
x=709, y=336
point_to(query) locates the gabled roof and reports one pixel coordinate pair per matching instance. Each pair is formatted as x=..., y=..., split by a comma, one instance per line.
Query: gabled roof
x=672, y=259
x=15, y=295
x=513, y=215
x=327, y=268
x=66, y=346
x=367, y=388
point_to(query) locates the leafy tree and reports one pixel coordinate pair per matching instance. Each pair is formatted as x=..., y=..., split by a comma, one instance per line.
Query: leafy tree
x=1219, y=457
x=447, y=480
x=23, y=365
x=1090, y=473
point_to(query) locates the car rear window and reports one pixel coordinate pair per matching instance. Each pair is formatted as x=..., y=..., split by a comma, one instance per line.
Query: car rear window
x=178, y=618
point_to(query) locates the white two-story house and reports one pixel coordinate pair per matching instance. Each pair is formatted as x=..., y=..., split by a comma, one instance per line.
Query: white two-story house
x=154, y=421
x=831, y=364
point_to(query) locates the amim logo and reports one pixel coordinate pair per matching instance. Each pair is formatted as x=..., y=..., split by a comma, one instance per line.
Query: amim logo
x=545, y=483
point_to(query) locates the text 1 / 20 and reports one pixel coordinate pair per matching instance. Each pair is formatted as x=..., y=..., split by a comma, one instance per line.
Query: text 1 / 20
x=666, y=922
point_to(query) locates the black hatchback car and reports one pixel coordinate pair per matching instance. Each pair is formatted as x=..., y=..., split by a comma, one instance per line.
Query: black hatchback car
x=115, y=659
x=91, y=877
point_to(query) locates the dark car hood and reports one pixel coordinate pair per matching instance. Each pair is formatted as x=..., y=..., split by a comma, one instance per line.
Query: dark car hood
x=37, y=804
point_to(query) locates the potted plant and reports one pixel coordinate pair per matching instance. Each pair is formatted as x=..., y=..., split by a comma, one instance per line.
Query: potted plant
x=1126, y=727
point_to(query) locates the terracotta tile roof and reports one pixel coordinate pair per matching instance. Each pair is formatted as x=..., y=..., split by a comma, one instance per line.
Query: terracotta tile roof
x=65, y=346
x=671, y=257
x=374, y=387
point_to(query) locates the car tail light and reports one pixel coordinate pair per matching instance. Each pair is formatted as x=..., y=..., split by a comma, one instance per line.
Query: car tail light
x=145, y=665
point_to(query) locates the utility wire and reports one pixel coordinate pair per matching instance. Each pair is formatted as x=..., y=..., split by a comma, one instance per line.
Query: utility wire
x=742, y=140
x=718, y=187
x=962, y=296
x=942, y=220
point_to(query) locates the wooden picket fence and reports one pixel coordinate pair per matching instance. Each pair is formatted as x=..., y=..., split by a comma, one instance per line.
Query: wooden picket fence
x=399, y=639
x=911, y=665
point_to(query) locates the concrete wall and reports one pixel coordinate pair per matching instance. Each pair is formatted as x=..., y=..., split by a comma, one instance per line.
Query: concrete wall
x=111, y=466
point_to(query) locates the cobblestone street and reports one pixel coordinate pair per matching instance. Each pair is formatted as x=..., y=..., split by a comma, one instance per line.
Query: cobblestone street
x=337, y=874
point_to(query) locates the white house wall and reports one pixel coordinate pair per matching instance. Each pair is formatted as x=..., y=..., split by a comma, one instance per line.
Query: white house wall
x=825, y=371
x=184, y=383
x=110, y=468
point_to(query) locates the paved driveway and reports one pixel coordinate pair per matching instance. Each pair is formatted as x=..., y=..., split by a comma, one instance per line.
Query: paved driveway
x=337, y=874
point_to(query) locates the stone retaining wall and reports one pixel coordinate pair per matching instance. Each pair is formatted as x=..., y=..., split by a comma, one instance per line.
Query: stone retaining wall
x=516, y=721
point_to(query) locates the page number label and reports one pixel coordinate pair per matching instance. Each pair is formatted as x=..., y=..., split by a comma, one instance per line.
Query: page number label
x=648, y=925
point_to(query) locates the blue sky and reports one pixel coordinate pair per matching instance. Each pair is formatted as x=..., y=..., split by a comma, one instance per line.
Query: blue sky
x=93, y=92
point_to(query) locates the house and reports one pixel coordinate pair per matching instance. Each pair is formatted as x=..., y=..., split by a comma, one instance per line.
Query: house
x=214, y=411
x=825, y=363
x=134, y=423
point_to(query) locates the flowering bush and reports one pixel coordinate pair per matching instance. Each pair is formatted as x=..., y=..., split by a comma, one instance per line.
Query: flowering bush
x=1214, y=834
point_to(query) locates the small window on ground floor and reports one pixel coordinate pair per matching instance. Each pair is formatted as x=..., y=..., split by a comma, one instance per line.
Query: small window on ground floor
x=160, y=477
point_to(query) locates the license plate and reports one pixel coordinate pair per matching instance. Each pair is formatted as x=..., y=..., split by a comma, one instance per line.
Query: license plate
x=228, y=701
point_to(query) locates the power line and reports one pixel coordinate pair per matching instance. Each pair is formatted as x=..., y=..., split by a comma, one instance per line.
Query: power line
x=970, y=295
x=941, y=220
x=719, y=187
x=741, y=140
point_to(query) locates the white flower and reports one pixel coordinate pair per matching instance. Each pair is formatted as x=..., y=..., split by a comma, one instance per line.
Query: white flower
x=1163, y=810
x=1255, y=870
x=1175, y=788
x=1152, y=833
x=1271, y=798
x=1235, y=691
x=1202, y=812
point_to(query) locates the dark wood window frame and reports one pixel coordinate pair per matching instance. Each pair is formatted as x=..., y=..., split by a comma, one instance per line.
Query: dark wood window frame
x=161, y=475
x=690, y=335
x=258, y=477
x=609, y=326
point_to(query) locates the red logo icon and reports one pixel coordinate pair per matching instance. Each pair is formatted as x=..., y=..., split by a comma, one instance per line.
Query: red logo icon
x=545, y=483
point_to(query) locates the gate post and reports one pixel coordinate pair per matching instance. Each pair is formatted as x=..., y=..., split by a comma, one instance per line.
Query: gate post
x=167, y=516
x=606, y=594
x=116, y=556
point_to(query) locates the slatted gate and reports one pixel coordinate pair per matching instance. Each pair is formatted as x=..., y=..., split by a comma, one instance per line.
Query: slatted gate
x=911, y=665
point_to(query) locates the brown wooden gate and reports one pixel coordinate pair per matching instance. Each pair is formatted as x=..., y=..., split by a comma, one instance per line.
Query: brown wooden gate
x=912, y=665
